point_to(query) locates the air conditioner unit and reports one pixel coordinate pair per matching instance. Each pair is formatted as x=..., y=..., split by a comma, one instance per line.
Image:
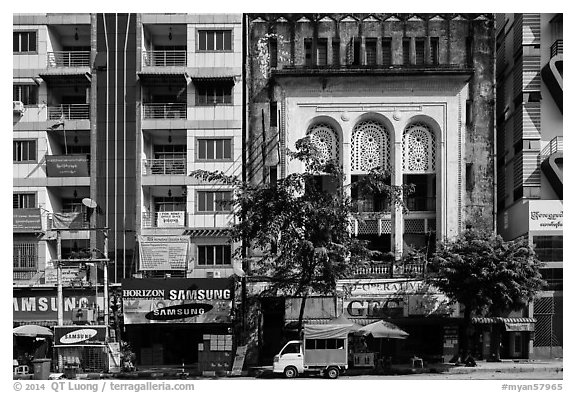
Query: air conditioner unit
x=18, y=107
x=82, y=315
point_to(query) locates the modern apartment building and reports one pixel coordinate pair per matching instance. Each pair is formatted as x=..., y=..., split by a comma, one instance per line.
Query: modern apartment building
x=410, y=93
x=120, y=108
x=530, y=155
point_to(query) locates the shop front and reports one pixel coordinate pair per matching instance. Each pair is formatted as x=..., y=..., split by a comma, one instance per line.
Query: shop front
x=81, y=348
x=503, y=337
x=179, y=322
x=431, y=320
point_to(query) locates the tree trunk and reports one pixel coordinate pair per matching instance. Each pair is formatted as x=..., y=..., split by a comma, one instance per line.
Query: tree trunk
x=467, y=344
x=301, y=316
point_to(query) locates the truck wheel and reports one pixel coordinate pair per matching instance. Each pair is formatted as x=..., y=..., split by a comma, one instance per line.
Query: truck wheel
x=290, y=372
x=332, y=373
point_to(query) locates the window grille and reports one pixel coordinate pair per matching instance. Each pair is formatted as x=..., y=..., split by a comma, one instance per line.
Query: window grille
x=371, y=51
x=387, y=51
x=370, y=146
x=420, y=51
x=325, y=140
x=25, y=256
x=322, y=52
x=419, y=149
x=214, y=93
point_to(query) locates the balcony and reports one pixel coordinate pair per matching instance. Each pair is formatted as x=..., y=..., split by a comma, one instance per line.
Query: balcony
x=164, y=58
x=164, y=166
x=371, y=206
x=175, y=110
x=418, y=204
x=556, y=145
x=557, y=48
x=69, y=112
x=166, y=219
x=388, y=270
x=68, y=59
x=23, y=274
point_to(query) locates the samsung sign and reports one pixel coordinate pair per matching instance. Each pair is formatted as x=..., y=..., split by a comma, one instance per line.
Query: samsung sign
x=80, y=336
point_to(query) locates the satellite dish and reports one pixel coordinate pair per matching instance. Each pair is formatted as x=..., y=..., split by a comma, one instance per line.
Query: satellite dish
x=89, y=203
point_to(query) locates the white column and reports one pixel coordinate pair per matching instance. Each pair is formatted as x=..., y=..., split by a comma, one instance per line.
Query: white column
x=397, y=180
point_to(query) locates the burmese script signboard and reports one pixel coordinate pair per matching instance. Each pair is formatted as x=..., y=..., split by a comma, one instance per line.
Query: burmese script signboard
x=546, y=215
x=67, y=166
x=26, y=220
x=163, y=252
x=178, y=300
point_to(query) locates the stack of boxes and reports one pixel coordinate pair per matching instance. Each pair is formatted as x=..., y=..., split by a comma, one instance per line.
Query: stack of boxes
x=215, y=354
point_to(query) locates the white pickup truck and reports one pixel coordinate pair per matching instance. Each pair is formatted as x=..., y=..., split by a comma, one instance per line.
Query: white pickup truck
x=323, y=350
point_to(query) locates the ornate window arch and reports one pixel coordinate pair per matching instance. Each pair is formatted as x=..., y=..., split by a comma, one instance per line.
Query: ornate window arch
x=370, y=146
x=325, y=139
x=419, y=149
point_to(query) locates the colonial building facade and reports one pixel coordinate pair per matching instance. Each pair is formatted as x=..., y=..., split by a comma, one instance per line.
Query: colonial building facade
x=413, y=94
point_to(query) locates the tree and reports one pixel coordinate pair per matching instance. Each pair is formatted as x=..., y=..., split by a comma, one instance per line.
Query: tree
x=300, y=234
x=485, y=274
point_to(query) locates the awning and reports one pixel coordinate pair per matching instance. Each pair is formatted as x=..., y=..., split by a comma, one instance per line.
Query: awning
x=71, y=77
x=517, y=324
x=207, y=232
x=162, y=76
x=40, y=323
x=26, y=81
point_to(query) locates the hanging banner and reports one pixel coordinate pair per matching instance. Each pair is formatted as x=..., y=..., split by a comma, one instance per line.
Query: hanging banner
x=163, y=252
x=177, y=300
x=170, y=219
x=26, y=220
x=70, y=276
x=68, y=220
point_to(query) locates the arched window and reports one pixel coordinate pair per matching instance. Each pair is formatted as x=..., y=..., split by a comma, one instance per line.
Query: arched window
x=324, y=138
x=370, y=146
x=419, y=149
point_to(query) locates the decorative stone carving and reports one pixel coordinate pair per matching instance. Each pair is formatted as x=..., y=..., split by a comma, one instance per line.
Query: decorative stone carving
x=325, y=140
x=370, y=146
x=418, y=149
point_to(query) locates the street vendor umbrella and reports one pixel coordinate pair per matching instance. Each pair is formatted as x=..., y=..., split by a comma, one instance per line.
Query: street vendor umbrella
x=32, y=331
x=383, y=329
x=342, y=320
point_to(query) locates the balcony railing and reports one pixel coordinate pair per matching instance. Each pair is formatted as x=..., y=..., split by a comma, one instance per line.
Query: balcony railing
x=176, y=110
x=555, y=145
x=557, y=48
x=165, y=166
x=68, y=59
x=370, y=205
x=421, y=204
x=167, y=219
x=23, y=274
x=164, y=58
x=69, y=112
x=389, y=270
